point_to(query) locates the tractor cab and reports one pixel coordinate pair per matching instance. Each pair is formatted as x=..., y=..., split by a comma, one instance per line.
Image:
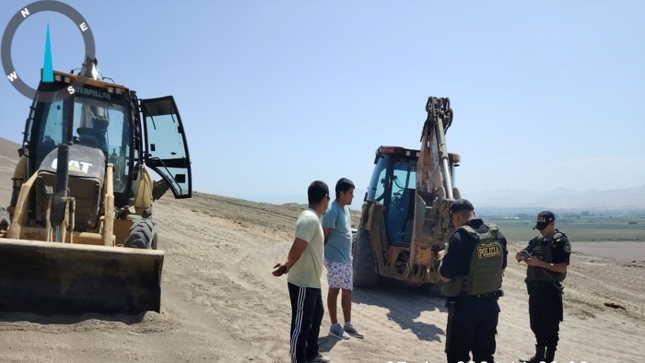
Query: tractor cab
x=101, y=123
x=393, y=184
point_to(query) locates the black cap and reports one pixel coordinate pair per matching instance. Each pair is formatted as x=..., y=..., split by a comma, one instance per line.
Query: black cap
x=543, y=219
x=461, y=204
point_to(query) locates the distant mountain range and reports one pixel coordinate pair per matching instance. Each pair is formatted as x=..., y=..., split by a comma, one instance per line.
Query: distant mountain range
x=561, y=198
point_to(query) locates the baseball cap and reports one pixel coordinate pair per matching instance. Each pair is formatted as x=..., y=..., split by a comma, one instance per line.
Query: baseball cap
x=543, y=219
x=460, y=204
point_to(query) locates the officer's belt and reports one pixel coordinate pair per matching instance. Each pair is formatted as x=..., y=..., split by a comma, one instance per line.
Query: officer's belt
x=490, y=294
x=541, y=284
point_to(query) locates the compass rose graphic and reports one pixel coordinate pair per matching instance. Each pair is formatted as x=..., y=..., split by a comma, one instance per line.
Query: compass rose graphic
x=48, y=69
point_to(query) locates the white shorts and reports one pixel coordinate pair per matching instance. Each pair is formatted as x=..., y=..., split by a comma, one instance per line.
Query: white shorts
x=340, y=275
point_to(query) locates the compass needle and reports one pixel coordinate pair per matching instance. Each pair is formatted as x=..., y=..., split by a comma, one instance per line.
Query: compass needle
x=48, y=66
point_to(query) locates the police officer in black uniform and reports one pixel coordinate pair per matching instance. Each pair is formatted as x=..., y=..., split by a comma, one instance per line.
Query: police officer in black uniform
x=547, y=257
x=471, y=267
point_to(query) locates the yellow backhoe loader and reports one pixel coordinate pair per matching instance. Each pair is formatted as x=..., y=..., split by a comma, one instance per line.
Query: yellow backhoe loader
x=405, y=221
x=78, y=234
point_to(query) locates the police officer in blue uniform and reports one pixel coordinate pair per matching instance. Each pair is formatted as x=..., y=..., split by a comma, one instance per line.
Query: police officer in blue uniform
x=547, y=257
x=471, y=267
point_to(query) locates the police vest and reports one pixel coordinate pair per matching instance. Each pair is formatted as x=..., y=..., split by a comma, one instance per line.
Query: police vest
x=485, y=273
x=545, y=253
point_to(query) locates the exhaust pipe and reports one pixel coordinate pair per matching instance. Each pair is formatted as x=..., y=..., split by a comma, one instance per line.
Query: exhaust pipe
x=59, y=200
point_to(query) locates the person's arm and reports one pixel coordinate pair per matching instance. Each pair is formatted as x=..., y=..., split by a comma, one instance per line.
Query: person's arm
x=502, y=240
x=304, y=234
x=450, y=259
x=295, y=252
x=444, y=279
x=555, y=267
x=329, y=222
x=518, y=255
x=326, y=231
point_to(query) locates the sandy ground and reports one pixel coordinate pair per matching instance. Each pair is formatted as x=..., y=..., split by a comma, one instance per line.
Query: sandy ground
x=622, y=251
x=220, y=303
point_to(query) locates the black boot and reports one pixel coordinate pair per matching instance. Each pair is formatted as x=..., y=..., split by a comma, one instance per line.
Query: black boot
x=549, y=357
x=539, y=356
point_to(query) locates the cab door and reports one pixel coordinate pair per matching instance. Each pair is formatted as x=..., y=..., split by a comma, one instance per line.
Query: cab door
x=166, y=150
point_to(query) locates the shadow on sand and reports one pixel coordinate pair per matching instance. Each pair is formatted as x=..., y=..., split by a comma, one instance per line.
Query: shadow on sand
x=327, y=342
x=405, y=304
x=59, y=319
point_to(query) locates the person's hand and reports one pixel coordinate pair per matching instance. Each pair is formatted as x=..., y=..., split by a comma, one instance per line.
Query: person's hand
x=280, y=269
x=519, y=257
x=440, y=254
x=532, y=261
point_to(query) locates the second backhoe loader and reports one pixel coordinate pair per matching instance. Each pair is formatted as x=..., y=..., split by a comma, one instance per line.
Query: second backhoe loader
x=405, y=220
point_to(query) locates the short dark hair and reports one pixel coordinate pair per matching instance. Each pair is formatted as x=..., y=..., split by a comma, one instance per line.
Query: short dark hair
x=466, y=213
x=318, y=189
x=343, y=185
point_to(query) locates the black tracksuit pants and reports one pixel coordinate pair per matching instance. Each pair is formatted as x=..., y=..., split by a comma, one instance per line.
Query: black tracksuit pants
x=307, y=312
x=474, y=327
x=545, y=310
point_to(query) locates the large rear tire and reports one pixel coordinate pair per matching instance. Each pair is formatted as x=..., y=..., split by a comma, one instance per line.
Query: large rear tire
x=365, y=274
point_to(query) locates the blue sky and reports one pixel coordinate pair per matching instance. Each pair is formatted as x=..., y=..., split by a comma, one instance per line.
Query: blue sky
x=275, y=94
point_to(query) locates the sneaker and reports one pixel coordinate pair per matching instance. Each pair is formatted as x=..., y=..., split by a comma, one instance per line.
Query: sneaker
x=351, y=330
x=337, y=331
x=318, y=359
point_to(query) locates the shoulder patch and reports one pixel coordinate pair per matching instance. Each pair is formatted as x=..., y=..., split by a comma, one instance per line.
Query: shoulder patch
x=560, y=237
x=493, y=228
x=567, y=247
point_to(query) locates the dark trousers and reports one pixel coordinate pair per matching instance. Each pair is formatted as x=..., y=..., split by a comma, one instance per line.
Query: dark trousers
x=545, y=310
x=307, y=312
x=474, y=327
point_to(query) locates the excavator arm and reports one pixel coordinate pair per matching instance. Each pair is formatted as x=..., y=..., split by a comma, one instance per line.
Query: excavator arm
x=434, y=191
x=433, y=169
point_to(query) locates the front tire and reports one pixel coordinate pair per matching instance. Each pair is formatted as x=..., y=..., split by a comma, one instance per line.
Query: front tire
x=365, y=274
x=143, y=234
x=5, y=220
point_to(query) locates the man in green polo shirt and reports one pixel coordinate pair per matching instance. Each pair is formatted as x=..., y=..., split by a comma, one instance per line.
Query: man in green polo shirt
x=304, y=266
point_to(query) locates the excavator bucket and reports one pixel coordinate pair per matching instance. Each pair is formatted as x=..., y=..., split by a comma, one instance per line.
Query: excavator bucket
x=66, y=278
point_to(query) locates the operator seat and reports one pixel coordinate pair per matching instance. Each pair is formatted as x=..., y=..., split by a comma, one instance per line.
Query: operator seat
x=95, y=136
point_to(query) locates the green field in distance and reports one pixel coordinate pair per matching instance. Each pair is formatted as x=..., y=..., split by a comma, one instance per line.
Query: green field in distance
x=577, y=227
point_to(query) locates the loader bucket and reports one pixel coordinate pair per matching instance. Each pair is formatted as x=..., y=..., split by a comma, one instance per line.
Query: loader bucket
x=65, y=278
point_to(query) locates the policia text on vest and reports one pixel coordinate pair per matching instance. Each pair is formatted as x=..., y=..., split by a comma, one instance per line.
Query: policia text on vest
x=484, y=275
